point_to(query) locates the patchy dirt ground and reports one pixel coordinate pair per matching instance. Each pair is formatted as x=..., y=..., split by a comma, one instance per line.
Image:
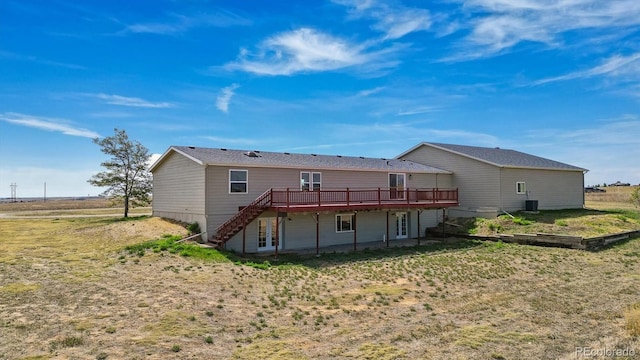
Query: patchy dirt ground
x=68, y=292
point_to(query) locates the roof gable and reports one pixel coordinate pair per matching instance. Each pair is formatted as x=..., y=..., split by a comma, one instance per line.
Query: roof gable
x=500, y=157
x=228, y=157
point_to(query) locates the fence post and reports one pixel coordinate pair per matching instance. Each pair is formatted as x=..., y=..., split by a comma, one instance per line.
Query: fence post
x=347, y=196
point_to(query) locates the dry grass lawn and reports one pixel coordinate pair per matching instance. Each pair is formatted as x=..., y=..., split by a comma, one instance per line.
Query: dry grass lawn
x=69, y=290
x=615, y=197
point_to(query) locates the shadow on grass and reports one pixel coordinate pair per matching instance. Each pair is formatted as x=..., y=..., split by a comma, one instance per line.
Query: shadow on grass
x=100, y=220
x=551, y=216
x=618, y=244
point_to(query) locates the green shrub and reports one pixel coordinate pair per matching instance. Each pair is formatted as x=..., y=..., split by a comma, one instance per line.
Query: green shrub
x=194, y=228
x=521, y=221
x=495, y=227
x=169, y=243
x=635, y=197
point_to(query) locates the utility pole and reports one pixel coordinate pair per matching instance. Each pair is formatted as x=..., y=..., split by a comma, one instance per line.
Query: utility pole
x=45, y=191
x=13, y=192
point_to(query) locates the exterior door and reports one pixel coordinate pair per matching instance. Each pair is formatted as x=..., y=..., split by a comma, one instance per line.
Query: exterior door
x=267, y=234
x=401, y=225
x=396, y=186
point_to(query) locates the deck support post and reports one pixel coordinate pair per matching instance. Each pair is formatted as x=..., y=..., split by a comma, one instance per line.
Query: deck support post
x=244, y=234
x=387, y=228
x=317, y=234
x=277, y=231
x=419, y=212
x=443, y=229
x=355, y=230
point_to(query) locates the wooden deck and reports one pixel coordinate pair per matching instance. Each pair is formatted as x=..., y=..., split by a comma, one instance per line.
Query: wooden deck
x=334, y=200
x=362, y=199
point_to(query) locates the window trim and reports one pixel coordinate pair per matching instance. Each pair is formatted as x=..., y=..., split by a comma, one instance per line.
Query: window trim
x=395, y=192
x=245, y=182
x=520, y=191
x=339, y=231
x=311, y=182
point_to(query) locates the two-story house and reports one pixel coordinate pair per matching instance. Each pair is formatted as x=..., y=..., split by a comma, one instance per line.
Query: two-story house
x=254, y=201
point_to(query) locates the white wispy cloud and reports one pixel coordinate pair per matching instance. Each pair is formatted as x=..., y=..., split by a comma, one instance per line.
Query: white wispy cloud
x=222, y=102
x=337, y=145
x=67, y=181
x=152, y=159
x=220, y=141
x=177, y=24
x=20, y=57
x=412, y=131
x=309, y=50
x=48, y=124
x=419, y=110
x=395, y=21
x=609, y=148
x=614, y=66
x=497, y=25
x=131, y=101
x=368, y=92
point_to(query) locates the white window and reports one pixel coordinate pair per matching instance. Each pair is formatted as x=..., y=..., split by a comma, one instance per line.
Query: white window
x=310, y=181
x=238, y=181
x=521, y=187
x=396, y=186
x=344, y=222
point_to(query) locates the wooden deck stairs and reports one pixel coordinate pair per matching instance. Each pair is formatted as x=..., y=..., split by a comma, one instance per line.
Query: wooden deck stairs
x=241, y=219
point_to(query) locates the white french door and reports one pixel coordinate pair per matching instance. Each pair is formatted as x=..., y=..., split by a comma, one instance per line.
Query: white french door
x=401, y=225
x=267, y=234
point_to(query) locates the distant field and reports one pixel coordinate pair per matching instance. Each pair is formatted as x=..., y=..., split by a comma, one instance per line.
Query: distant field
x=54, y=204
x=69, y=207
x=615, y=197
x=69, y=290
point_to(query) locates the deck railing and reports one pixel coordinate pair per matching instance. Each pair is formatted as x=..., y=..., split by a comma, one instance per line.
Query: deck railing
x=348, y=197
x=243, y=217
x=290, y=199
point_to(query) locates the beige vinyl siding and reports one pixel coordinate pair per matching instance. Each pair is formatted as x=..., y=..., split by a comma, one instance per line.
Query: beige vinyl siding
x=299, y=230
x=429, y=181
x=178, y=190
x=251, y=235
x=477, y=182
x=553, y=189
x=221, y=205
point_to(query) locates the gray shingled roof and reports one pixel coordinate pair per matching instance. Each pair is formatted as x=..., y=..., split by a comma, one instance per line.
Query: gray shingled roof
x=506, y=157
x=210, y=156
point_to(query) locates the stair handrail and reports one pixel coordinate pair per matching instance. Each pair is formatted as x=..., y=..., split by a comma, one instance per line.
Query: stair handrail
x=261, y=202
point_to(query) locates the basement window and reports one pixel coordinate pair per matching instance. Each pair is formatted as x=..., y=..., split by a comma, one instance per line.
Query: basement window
x=521, y=187
x=238, y=181
x=344, y=223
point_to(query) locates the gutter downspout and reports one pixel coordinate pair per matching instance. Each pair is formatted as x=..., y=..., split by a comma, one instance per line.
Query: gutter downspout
x=206, y=214
x=584, y=200
x=502, y=210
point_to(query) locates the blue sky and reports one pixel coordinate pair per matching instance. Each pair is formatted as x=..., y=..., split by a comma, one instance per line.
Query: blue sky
x=558, y=79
